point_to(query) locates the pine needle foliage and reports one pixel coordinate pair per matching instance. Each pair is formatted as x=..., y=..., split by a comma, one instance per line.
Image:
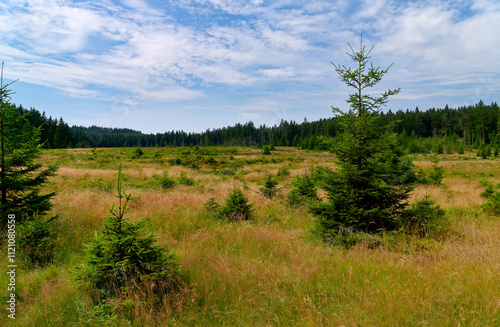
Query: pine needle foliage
x=269, y=190
x=236, y=207
x=366, y=193
x=304, y=191
x=435, y=176
x=492, y=194
x=21, y=177
x=122, y=255
x=37, y=239
x=424, y=218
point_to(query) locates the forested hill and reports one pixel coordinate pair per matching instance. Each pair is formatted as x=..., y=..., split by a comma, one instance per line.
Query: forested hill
x=473, y=125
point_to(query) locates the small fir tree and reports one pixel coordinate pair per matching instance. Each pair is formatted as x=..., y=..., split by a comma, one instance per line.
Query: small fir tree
x=435, y=176
x=121, y=256
x=236, y=207
x=304, y=191
x=461, y=149
x=424, y=217
x=270, y=187
x=37, y=240
x=492, y=194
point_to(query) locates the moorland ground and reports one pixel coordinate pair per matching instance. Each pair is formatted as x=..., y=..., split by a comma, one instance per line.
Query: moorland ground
x=272, y=270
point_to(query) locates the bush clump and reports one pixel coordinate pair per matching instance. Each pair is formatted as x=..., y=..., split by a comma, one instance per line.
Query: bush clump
x=184, y=180
x=236, y=207
x=269, y=190
x=435, y=176
x=424, y=218
x=37, y=240
x=492, y=194
x=164, y=181
x=137, y=153
x=283, y=172
x=304, y=191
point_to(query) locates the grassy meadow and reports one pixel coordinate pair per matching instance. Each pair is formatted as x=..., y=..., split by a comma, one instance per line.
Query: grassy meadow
x=272, y=270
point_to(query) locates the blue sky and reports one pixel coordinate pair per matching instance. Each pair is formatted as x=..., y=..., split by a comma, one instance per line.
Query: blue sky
x=191, y=65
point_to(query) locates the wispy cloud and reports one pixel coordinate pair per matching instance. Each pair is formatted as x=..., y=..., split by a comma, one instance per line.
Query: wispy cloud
x=188, y=50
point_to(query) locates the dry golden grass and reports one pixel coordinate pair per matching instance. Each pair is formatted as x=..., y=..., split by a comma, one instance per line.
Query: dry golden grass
x=272, y=271
x=452, y=193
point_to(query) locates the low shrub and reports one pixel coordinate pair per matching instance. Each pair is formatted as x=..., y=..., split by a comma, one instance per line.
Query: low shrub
x=236, y=207
x=37, y=240
x=184, y=180
x=211, y=161
x=304, y=191
x=156, y=155
x=163, y=181
x=283, y=171
x=493, y=204
x=194, y=166
x=424, y=218
x=269, y=190
x=434, y=177
x=137, y=153
x=212, y=205
x=492, y=194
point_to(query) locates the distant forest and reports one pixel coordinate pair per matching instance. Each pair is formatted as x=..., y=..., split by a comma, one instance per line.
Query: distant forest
x=437, y=130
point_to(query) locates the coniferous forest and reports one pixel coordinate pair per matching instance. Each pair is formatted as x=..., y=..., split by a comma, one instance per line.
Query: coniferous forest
x=439, y=130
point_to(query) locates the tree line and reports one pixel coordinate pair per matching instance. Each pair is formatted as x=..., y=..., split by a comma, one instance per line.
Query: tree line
x=472, y=125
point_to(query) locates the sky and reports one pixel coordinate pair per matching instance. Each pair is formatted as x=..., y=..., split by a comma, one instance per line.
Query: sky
x=193, y=65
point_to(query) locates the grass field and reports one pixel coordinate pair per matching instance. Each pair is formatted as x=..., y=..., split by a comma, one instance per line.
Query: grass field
x=271, y=271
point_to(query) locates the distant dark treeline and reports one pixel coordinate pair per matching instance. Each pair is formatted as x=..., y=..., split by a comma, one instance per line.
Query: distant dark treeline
x=473, y=125
x=55, y=133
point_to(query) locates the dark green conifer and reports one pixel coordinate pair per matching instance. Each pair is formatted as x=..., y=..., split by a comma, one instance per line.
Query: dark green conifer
x=236, y=207
x=368, y=192
x=21, y=177
x=123, y=254
x=269, y=189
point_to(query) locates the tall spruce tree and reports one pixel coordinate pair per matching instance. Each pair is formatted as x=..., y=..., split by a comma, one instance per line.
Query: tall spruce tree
x=20, y=175
x=370, y=190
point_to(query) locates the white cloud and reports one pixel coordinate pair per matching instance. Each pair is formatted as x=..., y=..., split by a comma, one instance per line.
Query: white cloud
x=436, y=37
x=277, y=73
x=137, y=50
x=370, y=8
x=440, y=52
x=59, y=33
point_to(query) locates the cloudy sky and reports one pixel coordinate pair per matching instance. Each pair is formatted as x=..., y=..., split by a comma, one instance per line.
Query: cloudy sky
x=158, y=65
